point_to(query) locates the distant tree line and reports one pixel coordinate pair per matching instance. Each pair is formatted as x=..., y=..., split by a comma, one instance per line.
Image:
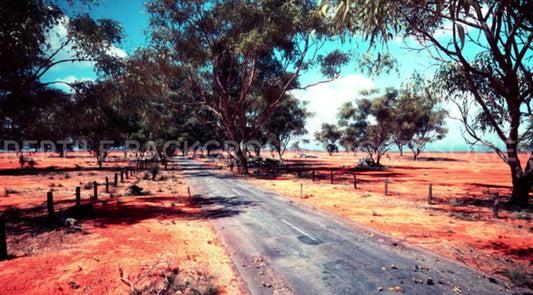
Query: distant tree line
x=373, y=123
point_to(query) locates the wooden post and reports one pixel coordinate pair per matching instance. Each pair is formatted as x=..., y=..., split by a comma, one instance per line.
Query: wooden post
x=189, y=192
x=107, y=184
x=495, y=205
x=121, y=176
x=3, y=240
x=430, y=193
x=301, y=190
x=78, y=196
x=331, y=176
x=386, y=186
x=95, y=186
x=354, y=181
x=313, y=174
x=126, y=172
x=50, y=205
x=116, y=179
x=299, y=173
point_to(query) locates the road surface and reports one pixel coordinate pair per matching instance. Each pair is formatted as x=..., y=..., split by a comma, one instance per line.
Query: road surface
x=281, y=246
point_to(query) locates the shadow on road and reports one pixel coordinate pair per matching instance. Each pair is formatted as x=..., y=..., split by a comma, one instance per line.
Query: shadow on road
x=219, y=206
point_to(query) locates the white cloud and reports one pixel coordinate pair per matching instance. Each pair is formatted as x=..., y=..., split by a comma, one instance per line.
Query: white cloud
x=325, y=99
x=62, y=83
x=116, y=52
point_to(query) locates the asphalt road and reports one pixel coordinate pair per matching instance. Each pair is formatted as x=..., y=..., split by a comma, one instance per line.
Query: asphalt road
x=281, y=246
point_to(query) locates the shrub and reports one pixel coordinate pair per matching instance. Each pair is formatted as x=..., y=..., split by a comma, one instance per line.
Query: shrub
x=517, y=277
x=369, y=163
x=88, y=185
x=455, y=202
x=146, y=176
x=522, y=215
x=154, y=169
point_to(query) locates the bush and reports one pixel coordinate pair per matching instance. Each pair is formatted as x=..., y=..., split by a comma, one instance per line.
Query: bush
x=146, y=176
x=517, y=277
x=154, y=169
x=522, y=215
x=368, y=163
x=455, y=202
x=135, y=190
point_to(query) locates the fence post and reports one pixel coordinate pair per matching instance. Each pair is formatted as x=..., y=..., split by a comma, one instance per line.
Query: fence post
x=301, y=190
x=430, y=193
x=313, y=174
x=116, y=179
x=354, y=181
x=331, y=176
x=121, y=176
x=3, y=240
x=386, y=186
x=495, y=204
x=107, y=184
x=50, y=205
x=95, y=185
x=126, y=172
x=78, y=196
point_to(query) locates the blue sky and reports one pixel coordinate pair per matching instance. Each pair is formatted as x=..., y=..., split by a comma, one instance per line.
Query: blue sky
x=324, y=100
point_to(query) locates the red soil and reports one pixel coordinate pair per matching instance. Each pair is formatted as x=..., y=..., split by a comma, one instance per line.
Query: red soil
x=459, y=223
x=137, y=238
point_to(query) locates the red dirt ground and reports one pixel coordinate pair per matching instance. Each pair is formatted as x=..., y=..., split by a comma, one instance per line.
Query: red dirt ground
x=130, y=235
x=459, y=223
x=125, y=242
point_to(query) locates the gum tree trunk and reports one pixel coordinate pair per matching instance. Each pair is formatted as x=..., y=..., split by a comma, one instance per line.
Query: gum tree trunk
x=522, y=179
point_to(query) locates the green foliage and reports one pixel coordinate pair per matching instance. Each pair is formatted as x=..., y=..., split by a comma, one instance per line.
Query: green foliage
x=100, y=123
x=229, y=64
x=285, y=123
x=486, y=50
x=520, y=278
x=419, y=119
x=328, y=136
x=407, y=117
x=30, y=47
x=522, y=215
x=455, y=202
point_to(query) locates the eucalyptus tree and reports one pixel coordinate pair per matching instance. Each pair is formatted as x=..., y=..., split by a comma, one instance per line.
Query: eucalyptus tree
x=379, y=115
x=100, y=123
x=352, y=127
x=224, y=55
x=286, y=123
x=419, y=118
x=486, y=50
x=329, y=136
x=31, y=45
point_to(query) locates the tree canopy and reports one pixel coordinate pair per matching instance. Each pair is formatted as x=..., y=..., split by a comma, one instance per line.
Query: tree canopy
x=485, y=48
x=29, y=48
x=236, y=59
